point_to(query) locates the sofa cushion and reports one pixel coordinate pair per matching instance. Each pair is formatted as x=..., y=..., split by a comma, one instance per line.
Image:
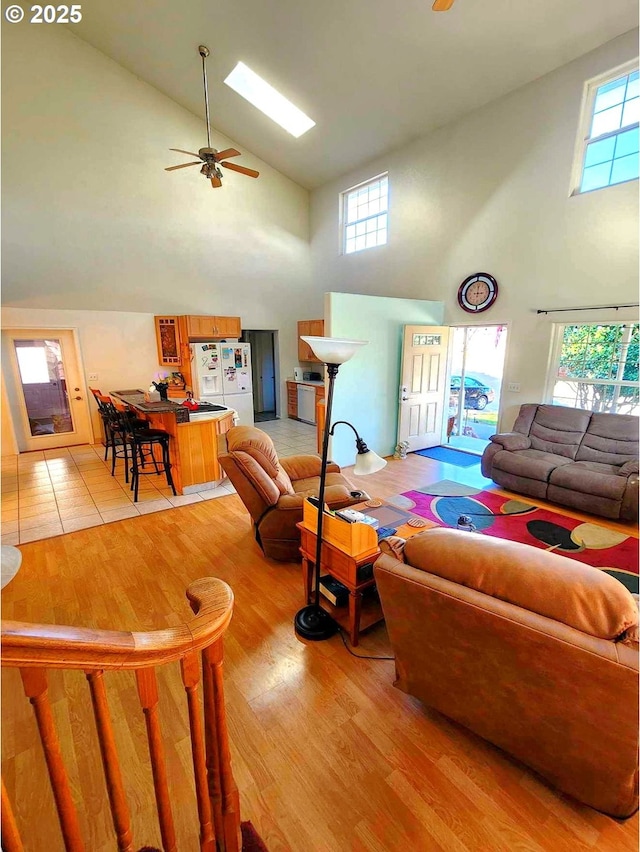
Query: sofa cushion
x=533, y=464
x=610, y=439
x=559, y=430
x=258, y=445
x=554, y=586
x=601, y=480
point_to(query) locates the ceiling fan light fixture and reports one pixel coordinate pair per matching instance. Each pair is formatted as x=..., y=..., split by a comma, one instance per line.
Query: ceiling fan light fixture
x=268, y=100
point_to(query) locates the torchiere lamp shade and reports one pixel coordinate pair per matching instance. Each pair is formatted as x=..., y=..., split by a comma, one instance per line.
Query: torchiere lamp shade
x=333, y=350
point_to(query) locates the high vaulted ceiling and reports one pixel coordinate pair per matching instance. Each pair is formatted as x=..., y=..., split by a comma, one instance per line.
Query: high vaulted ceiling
x=373, y=74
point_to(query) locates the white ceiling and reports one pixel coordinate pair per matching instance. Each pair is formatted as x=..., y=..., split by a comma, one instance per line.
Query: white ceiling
x=373, y=74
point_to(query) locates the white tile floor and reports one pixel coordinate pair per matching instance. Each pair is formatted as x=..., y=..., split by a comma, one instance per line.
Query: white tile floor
x=53, y=492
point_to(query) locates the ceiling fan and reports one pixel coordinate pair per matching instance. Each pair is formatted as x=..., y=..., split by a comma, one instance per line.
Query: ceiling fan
x=208, y=157
x=442, y=5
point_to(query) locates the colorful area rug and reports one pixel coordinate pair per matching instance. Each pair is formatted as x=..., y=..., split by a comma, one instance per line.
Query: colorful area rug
x=444, y=502
x=450, y=456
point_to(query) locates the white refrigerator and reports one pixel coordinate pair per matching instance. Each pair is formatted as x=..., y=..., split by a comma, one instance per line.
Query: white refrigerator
x=222, y=375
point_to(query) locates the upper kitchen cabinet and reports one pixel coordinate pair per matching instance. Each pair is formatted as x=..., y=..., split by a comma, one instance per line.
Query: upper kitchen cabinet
x=308, y=328
x=168, y=341
x=208, y=328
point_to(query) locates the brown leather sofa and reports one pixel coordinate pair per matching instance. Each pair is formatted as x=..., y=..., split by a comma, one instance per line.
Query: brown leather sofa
x=273, y=490
x=583, y=459
x=533, y=651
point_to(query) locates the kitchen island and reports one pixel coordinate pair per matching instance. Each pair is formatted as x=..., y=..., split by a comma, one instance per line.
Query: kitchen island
x=194, y=444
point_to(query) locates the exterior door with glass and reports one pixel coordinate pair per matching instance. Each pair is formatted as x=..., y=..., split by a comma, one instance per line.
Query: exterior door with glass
x=423, y=389
x=45, y=390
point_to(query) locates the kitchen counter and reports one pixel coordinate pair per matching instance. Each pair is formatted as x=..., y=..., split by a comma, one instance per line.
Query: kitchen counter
x=315, y=384
x=194, y=445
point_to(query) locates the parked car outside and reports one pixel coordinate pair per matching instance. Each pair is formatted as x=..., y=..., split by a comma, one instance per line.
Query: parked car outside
x=477, y=395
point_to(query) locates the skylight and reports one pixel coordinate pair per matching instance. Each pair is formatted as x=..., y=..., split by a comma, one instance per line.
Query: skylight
x=258, y=92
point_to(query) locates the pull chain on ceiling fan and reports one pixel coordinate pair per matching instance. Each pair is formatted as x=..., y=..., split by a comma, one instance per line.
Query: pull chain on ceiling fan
x=209, y=157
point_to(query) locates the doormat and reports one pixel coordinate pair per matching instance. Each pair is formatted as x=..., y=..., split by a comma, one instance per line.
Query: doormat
x=612, y=551
x=449, y=455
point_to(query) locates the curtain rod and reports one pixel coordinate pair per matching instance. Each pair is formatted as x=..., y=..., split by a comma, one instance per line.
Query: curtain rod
x=590, y=308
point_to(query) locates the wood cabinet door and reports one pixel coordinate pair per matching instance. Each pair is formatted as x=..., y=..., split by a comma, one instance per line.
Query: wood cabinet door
x=227, y=326
x=292, y=399
x=200, y=327
x=304, y=351
x=168, y=341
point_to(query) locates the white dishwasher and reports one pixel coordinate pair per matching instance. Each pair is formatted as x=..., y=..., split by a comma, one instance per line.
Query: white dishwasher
x=307, y=403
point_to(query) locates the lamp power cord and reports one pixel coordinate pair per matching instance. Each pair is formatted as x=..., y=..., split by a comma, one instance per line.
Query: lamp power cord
x=345, y=641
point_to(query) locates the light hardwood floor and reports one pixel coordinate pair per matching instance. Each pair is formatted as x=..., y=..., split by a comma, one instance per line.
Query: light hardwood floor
x=328, y=756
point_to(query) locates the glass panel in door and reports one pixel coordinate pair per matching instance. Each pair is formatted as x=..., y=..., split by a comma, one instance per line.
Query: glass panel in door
x=43, y=386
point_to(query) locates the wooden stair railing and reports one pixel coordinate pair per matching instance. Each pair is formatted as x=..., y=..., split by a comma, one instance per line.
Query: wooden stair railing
x=35, y=648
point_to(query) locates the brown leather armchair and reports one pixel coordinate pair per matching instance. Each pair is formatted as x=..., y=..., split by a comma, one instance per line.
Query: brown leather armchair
x=535, y=652
x=273, y=490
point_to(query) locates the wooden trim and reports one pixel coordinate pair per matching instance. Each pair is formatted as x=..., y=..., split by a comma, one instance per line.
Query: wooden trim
x=62, y=647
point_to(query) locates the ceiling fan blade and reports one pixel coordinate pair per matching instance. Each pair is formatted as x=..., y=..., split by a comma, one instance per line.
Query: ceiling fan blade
x=216, y=182
x=442, y=5
x=180, y=151
x=183, y=166
x=242, y=169
x=228, y=152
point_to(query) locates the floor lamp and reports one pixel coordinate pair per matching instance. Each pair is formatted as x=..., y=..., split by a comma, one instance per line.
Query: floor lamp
x=312, y=621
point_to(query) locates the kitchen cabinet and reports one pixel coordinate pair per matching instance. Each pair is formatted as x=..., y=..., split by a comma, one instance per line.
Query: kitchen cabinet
x=209, y=328
x=308, y=328
x=292, y=399
x=169, y=341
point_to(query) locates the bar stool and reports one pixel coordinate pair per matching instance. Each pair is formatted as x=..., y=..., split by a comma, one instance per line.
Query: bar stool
x=142, y=443
x=117, y=425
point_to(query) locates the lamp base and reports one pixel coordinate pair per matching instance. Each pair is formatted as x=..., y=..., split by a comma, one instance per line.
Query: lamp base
x=314, y=623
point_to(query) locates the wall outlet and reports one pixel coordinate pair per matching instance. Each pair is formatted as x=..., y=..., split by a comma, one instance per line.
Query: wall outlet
x=93, y=377
x=514, y=386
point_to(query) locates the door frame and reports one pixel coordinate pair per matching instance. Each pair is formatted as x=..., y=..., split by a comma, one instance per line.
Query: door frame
x=478, y=324
x=17, y=411
x=442, y=393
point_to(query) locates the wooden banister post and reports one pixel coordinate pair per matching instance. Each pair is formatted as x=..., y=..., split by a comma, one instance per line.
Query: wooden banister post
x=148, y=692
x=35, y=687
x=110, y=762
x=11, y=841
x=231, y=840
x=190, y=669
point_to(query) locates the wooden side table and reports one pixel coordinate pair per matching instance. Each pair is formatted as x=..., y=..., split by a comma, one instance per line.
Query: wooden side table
x=342, y=567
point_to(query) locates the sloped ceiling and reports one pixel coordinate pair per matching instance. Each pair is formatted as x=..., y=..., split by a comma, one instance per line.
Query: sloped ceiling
x=373, y=74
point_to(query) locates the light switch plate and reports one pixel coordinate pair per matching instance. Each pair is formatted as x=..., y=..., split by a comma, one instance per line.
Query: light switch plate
x=514, y=386
x=93, y=377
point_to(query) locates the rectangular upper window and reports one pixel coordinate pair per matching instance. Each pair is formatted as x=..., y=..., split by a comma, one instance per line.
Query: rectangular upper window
x=364, y=215
x=607, y=149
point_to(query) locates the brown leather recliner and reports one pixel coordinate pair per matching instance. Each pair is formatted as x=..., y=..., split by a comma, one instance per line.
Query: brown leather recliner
x=273, y=490
x=535, y=652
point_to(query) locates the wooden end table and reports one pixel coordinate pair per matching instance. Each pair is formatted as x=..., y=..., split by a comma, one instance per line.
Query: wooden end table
x=360, y=614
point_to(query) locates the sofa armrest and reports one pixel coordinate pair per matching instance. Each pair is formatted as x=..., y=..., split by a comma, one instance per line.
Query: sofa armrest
x=306, y=466
x=629, y=467
x=512, y=441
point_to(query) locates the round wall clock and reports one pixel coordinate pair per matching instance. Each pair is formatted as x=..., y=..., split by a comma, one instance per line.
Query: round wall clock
x=477, y=292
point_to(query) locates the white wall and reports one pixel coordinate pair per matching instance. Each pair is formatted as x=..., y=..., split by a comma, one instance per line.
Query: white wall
x=119, y=346
x=366, y=388
x=91, y=220
x=490, y=193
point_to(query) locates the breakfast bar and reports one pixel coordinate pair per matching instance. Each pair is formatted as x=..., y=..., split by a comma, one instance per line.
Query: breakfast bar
x=193, y=449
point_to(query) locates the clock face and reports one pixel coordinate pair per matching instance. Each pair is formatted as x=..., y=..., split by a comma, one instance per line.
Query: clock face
x=477, y=292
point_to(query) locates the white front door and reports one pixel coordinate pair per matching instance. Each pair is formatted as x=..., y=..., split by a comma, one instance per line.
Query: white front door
x=46, y=389
x=423, y=385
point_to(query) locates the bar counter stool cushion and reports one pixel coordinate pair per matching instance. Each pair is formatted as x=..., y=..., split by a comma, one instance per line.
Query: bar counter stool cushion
x=273, y=490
